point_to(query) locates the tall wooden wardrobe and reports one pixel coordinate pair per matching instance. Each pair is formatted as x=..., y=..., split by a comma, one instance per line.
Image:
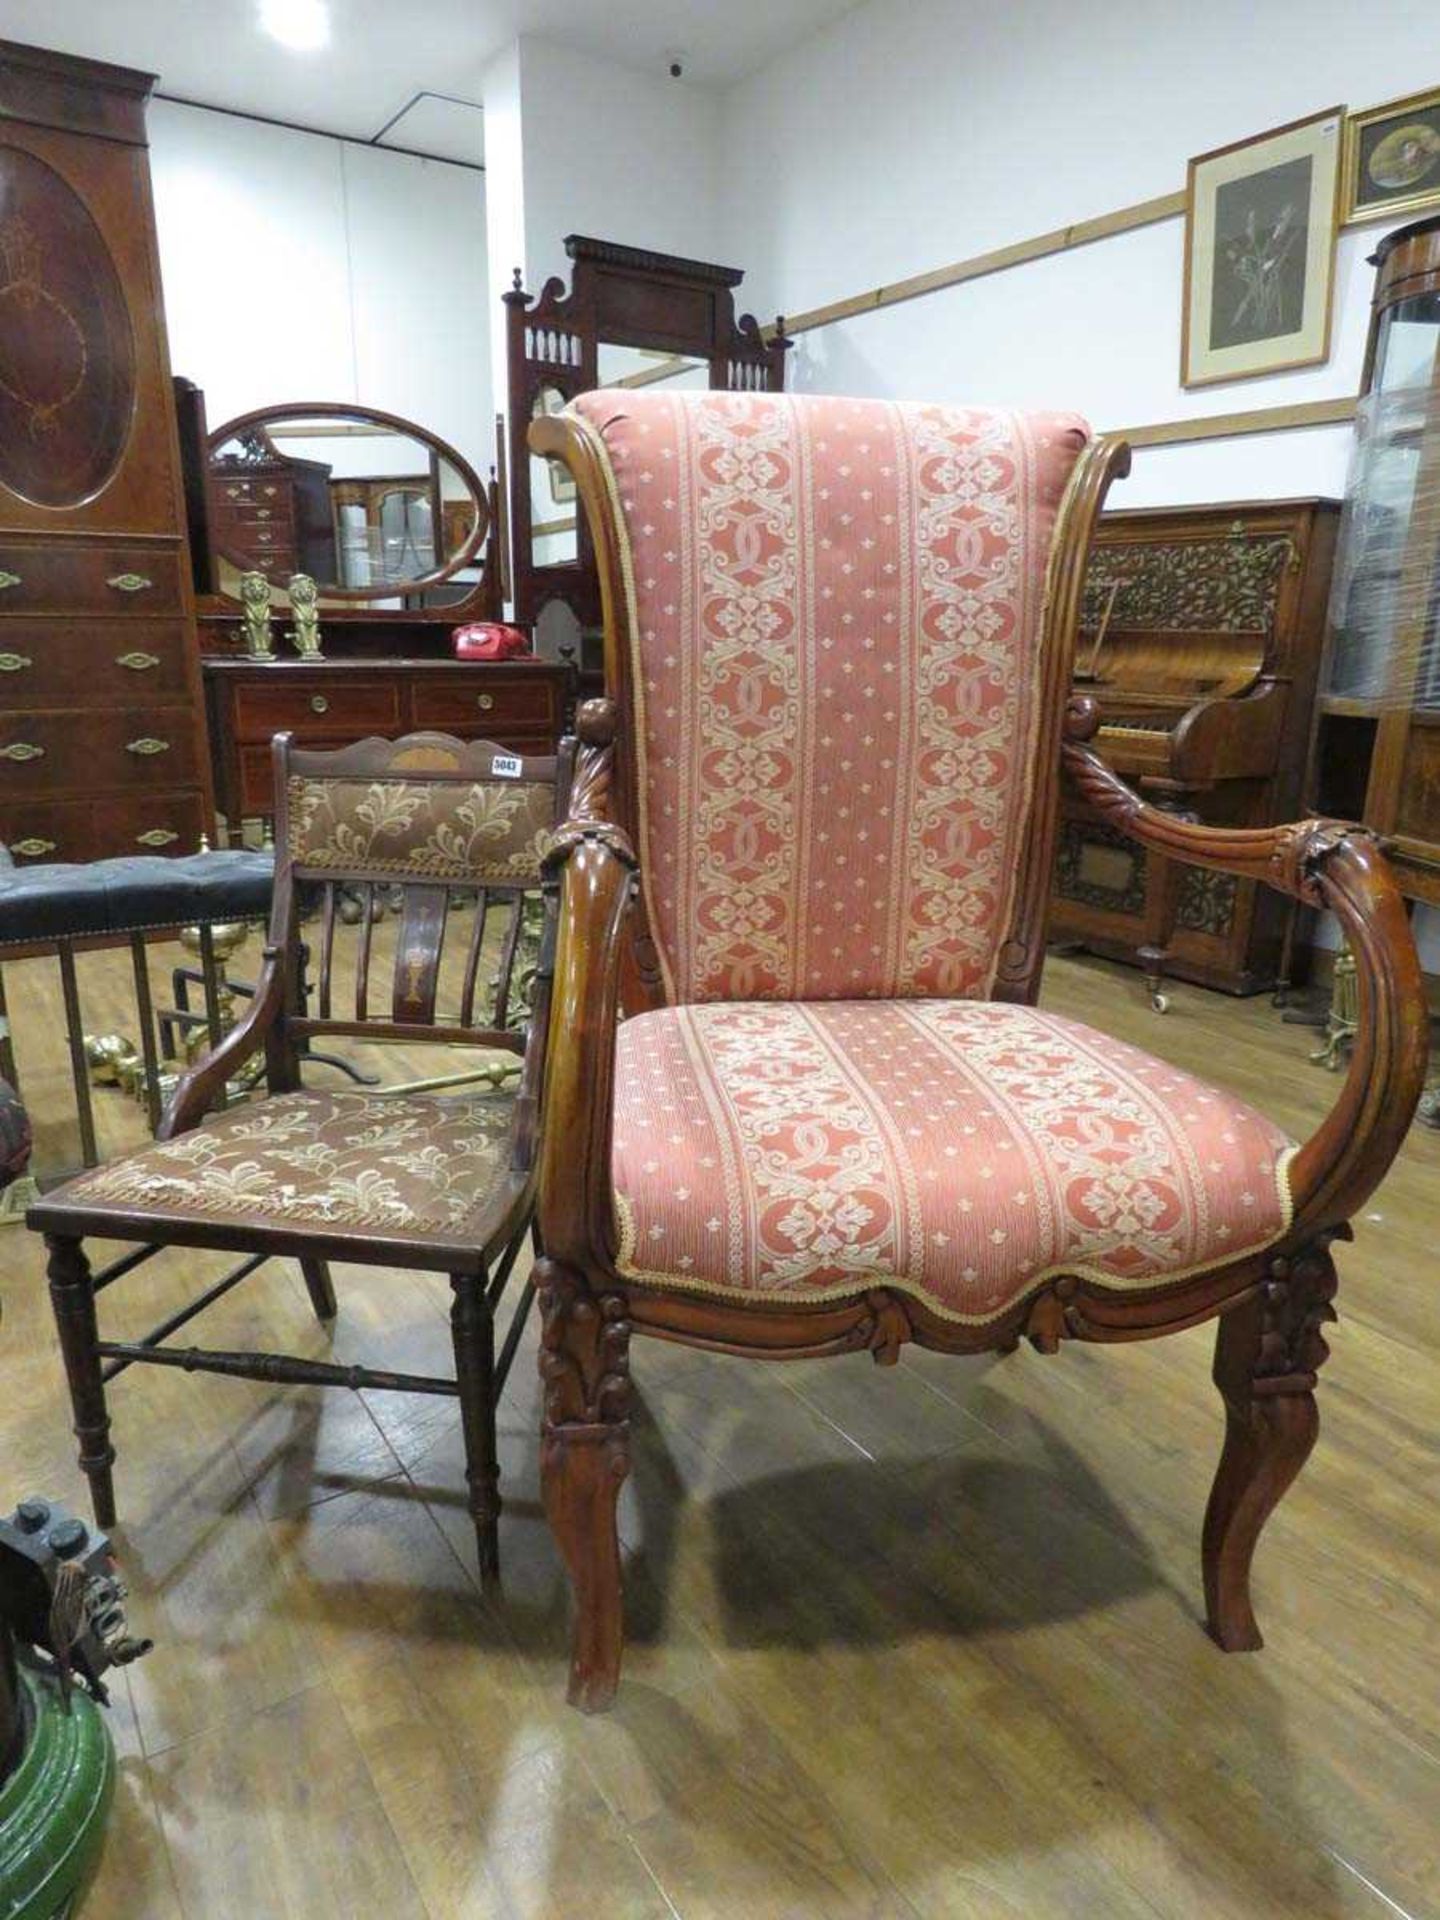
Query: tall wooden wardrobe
x=102, y=741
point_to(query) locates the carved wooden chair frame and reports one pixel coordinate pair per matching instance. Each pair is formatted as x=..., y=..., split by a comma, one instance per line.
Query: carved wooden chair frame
x=279, y=1023
x=1271, y=1305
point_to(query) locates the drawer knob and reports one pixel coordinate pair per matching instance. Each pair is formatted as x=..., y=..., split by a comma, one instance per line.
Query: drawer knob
x=485, y=701
x=137, y=662
x=147, y=746
x=318, y=703
x=156, y=837
x=33, y=847
x=8, y=579
x=15, y=662
x=22, y=750
x=129, y=582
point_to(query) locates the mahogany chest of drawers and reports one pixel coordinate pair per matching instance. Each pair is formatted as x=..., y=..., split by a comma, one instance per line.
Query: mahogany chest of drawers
x=102, y=745
x=519, y=704
x=274, y=515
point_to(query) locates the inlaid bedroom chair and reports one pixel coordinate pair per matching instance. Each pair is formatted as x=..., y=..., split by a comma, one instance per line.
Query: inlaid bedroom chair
x=839, y=637
x=402, y=1179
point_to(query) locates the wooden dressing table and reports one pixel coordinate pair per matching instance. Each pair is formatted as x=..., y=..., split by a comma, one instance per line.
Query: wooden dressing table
x=520, y=704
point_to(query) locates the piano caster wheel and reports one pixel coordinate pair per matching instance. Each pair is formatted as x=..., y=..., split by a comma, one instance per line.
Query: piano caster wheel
x=1159, y=1003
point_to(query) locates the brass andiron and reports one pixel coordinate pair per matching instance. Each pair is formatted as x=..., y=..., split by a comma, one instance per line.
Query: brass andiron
x=255, y=600
x=305, y=634
x=1342, y=1022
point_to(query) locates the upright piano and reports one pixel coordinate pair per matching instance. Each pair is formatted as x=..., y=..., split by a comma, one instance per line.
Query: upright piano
x=1201, y=634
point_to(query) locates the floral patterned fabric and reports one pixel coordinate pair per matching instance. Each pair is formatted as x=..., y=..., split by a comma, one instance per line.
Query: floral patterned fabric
x=957, y=1150
x=400, y=1164
x=835, y=660
x=441, y=830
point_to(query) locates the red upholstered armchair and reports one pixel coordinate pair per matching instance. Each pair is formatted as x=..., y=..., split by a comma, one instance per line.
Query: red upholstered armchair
x=809, y=847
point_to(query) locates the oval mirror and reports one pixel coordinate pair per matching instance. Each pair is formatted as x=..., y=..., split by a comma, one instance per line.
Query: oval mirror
x=370, y=505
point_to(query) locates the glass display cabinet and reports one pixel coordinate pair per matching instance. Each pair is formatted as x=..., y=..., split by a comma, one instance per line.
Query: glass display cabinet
x=1377, y=749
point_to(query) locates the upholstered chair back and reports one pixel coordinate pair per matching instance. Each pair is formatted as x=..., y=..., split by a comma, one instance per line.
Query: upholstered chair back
x=835, y=682
x=421, y=826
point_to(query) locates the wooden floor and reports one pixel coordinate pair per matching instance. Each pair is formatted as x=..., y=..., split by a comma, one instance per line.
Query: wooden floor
x=911, y=1642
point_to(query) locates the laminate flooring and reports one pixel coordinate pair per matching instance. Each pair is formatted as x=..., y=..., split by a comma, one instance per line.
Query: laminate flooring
x=911, y=1642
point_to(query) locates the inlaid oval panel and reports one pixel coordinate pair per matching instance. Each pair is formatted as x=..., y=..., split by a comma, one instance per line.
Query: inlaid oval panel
x=67, y=352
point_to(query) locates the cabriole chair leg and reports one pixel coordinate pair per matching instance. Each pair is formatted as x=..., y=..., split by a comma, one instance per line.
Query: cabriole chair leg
x=319, y=1286
x=584, y=1458
x=472, y=1328
x=72, y=1295
x=1268, y=1352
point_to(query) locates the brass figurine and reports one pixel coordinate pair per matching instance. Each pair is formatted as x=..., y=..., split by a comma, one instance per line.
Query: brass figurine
x=304, y=599
x=255, y=600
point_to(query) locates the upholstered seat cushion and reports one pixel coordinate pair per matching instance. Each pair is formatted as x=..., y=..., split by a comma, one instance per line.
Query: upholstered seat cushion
x=959, y=1150
x=414, y=1167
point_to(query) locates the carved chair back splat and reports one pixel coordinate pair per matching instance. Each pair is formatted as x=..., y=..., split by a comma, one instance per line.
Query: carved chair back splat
x=411, y=1177
x=826, y=1131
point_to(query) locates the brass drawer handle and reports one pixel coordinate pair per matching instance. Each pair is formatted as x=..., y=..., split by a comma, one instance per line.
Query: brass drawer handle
x=147, y=746
x=22, y=750
x=137, y=662
x=156, y=837
x=15, y=662
x=8, y=579
x=129, y=582
x=485, y=701
x=318, y=703
x=33, y=847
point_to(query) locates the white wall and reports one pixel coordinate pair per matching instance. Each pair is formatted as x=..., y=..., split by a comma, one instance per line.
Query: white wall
x=621, y=155
x=916, y=132
x=912, y=133
x=299, y=267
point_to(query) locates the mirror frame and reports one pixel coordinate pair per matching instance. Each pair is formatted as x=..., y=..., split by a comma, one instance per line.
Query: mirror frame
x=347, y=410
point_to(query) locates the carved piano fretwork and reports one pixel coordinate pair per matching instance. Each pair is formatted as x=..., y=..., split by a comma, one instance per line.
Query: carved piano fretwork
x=1200, y=636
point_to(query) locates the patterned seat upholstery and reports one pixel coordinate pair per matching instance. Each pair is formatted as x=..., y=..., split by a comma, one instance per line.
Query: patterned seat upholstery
x=420, y=1167
x=959, y=1150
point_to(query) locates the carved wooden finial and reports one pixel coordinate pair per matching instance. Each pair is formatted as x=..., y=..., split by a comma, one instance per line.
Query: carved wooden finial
x=1082, y=717
x=595, y=723
x=517, y=280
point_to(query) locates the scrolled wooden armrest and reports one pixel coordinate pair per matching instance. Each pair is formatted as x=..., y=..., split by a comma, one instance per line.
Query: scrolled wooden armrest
x=1287, y=857
x=1340, y=867
x=203, y=1084
x=594, y=865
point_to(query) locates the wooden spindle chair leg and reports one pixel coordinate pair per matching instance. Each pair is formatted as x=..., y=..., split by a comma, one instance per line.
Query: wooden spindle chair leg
x=72, y=1294
x=472, y=1329
x=319, y=1286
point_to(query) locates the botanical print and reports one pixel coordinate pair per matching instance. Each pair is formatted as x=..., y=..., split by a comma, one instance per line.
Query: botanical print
x=1260, y=225
x=1261, y=230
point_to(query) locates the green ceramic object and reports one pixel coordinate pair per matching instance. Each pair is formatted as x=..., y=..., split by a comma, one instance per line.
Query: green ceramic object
x=53, y=1807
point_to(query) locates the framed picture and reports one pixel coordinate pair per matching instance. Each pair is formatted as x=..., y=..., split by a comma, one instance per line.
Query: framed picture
x=1391, y=163
x=1260, y=223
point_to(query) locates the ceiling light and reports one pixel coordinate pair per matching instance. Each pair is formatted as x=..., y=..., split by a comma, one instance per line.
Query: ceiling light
x=301, y=25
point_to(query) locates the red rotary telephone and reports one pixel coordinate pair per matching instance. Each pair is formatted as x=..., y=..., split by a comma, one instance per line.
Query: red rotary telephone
x=489, y=640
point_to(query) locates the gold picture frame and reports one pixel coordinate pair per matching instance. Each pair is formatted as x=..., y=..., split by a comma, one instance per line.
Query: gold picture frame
x=1390, y=164
x=1261, y=219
